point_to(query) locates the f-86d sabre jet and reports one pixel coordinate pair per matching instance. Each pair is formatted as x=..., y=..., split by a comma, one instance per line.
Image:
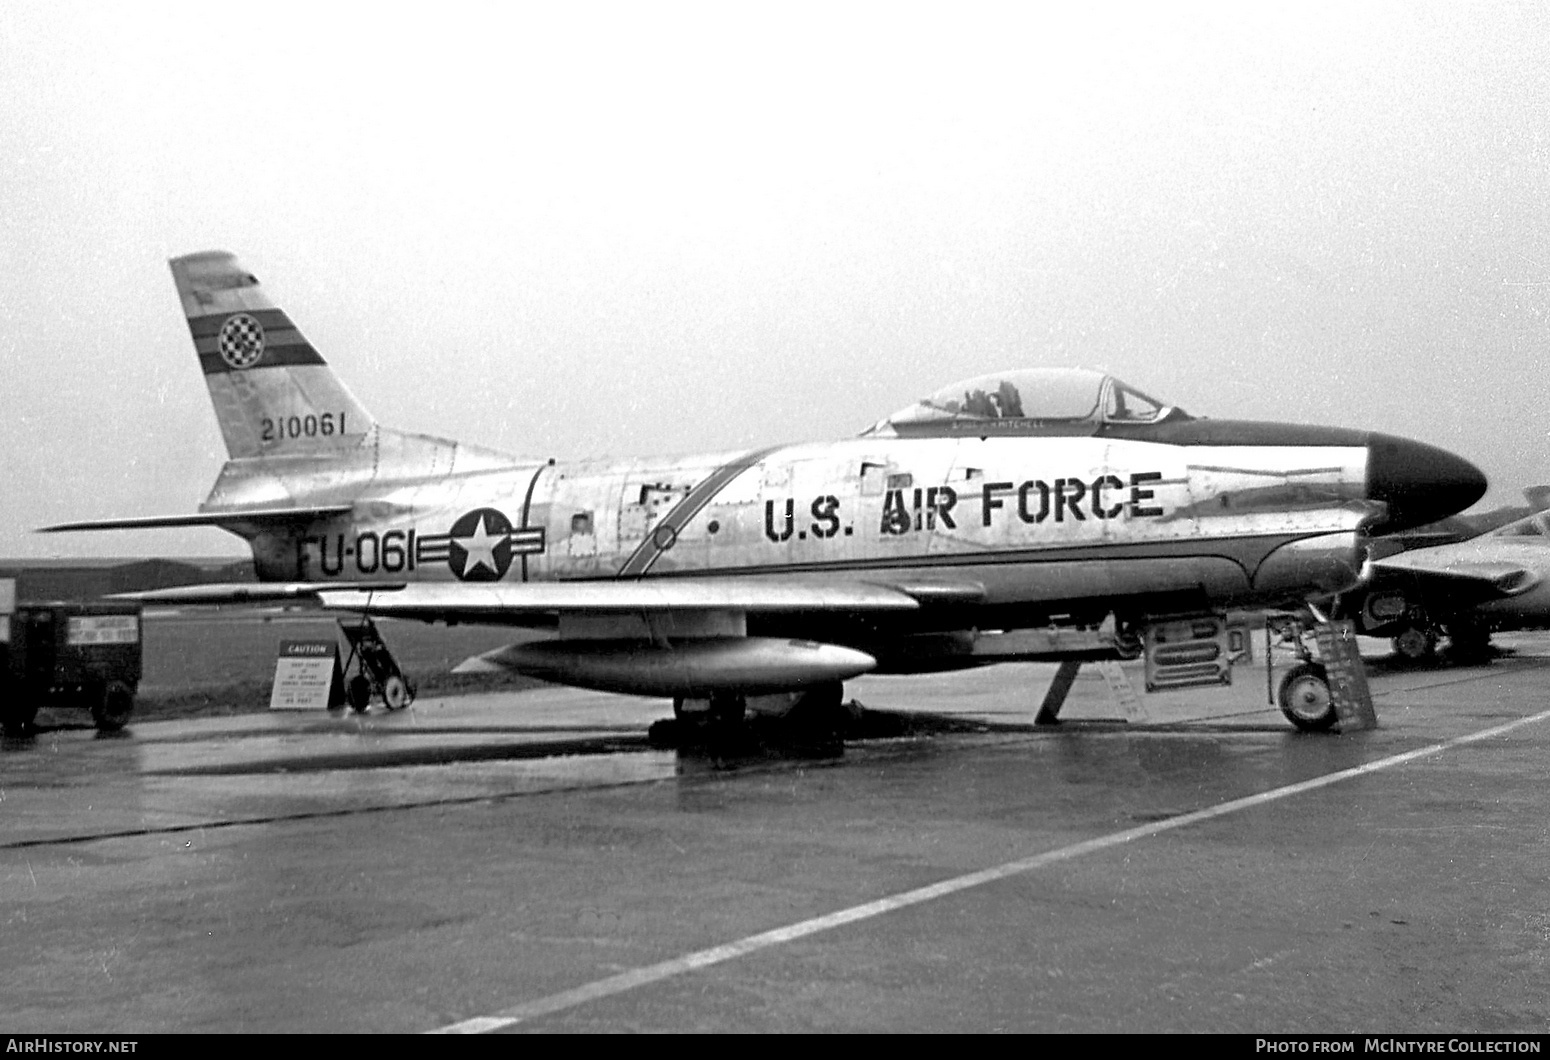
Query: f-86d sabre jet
x=954, y=533
x=1466, y=589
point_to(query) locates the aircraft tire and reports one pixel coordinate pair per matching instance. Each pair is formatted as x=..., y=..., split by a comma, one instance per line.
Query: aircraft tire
x=1415, y=644
x=396, y=694
x=1305, y=698
x=1129, y=641
x=112, y=708
x=664, y=734
x=815, y=723
x=358, y=693
x=728, y=710
x=1469, y=642
x=725, y=730
x=718, y=722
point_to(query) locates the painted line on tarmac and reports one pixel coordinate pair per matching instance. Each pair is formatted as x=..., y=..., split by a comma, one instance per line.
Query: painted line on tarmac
x=626, y=981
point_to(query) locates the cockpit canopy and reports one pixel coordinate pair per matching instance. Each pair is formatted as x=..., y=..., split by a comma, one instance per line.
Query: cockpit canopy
x=1026, y=401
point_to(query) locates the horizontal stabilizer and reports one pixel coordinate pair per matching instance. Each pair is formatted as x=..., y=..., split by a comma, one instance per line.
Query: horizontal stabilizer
x=220, y=519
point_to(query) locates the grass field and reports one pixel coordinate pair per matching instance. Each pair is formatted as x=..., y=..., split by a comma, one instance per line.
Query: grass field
x=208, y=664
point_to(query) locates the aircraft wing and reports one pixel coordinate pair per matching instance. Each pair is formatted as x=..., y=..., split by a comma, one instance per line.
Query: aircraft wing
x=485, y=602
x=468, y=602
x=1488, y=579
x=242, y=593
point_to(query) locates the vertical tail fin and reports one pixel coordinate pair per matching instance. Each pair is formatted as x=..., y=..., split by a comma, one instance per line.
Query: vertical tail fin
x=273, y=394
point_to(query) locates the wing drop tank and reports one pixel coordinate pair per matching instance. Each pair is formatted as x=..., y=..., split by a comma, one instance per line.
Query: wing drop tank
x=689, y=668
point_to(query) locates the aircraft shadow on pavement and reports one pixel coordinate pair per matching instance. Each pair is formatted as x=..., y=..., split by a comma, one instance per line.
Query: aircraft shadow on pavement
x=760, y=739
x=1400, y=664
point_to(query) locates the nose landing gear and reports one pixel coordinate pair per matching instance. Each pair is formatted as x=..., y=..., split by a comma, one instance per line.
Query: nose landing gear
x=1324, y=691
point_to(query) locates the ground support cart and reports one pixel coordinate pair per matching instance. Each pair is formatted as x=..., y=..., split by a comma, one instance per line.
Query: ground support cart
x=377, y=673
x=70, y=655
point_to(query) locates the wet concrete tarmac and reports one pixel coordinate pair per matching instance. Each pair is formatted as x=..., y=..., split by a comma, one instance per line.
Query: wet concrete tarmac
x=527, y=862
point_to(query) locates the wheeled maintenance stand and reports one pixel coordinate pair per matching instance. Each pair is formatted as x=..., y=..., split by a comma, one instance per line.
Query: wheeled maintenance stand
x=378, y=673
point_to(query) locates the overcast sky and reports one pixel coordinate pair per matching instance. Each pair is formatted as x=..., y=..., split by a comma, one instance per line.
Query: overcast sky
x=571, y=229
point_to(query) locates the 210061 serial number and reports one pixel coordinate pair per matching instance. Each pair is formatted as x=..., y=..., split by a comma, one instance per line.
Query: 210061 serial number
x=280, y=428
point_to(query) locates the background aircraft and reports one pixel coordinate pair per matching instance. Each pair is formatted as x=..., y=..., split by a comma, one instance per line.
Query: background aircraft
x=978, y=525
x=1461, y=589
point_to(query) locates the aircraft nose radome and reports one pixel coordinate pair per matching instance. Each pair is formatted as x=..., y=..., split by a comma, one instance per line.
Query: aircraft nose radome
x=1420, y=483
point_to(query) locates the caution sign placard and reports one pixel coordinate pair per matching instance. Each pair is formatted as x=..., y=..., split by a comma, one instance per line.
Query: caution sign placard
x=307, y=676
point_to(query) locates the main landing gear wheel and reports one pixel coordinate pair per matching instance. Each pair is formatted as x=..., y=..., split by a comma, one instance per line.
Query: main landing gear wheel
x=666, y=734
x=111, y=711
x=1416, y=644
x=717, y=723
x=815, y=723
x=663, y=734
x=1469, y=642
x=727, y=712
x=1305, y=698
